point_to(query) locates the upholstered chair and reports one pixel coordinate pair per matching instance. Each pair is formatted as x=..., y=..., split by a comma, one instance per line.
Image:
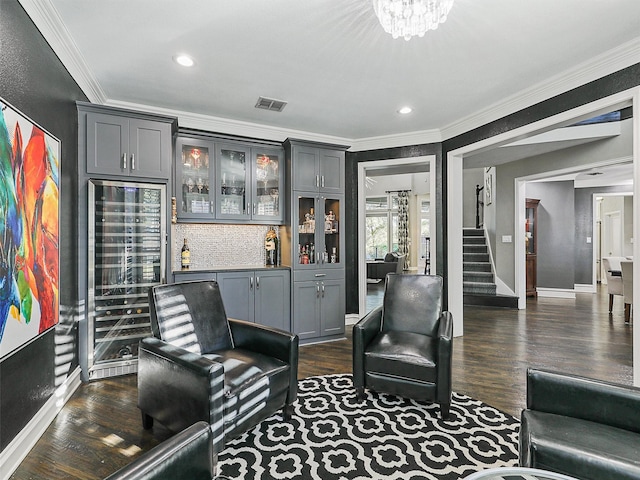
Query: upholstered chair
x=201, y=366
x=613, y=271
x=627, y=288
x=404, y=347
x=187, y=455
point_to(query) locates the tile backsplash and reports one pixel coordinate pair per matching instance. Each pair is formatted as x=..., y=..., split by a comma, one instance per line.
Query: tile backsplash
x=216, y=245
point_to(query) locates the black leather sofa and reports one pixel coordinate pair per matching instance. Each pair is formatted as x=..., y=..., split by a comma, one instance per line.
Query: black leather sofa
x=392, y=263
x=202, y=366
x=580, y=427
x=187, y=455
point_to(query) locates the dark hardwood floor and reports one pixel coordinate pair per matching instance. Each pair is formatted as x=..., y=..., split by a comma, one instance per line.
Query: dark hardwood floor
x=99, y=430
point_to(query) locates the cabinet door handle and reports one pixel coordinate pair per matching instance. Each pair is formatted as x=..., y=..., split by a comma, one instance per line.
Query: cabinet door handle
x=133, y=162
x=251, y=283
x=254, y=208
x=257, y=283
x=317, y=181
x=322, y=181
x=124, y=161
x=320, y=275
x=317, y=290
x=323, y=290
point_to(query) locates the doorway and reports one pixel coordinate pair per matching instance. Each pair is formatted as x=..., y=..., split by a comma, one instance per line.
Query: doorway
x=455, y=199
x=419, y=164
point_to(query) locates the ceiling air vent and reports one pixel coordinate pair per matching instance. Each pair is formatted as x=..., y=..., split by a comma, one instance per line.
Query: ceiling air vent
x=270, y=104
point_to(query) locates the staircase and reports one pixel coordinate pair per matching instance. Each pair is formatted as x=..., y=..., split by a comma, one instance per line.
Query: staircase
x=478, y=282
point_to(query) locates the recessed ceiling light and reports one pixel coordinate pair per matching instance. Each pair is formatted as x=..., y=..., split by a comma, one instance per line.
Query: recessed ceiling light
x=184, y=60
x=405, y=110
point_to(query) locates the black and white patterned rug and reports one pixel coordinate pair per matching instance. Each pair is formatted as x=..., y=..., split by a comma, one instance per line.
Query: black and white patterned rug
x=333, y=436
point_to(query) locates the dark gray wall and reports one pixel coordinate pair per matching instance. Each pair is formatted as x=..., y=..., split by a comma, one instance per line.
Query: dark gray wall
x=33, y=80
x=556, y=233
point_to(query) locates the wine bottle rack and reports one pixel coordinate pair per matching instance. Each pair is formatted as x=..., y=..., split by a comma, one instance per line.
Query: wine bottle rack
x=127, y=230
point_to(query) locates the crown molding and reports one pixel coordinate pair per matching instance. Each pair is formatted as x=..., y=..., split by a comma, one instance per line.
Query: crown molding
x=231, y=127
x=396, y=140
x=607, y=63
x=47, y=19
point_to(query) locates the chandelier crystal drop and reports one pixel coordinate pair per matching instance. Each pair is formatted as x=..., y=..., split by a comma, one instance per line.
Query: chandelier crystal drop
x=408, y=18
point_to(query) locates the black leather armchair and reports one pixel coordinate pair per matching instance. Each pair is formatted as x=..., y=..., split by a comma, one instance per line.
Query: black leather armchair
x=404, y=346
x=185, y=456
x=584, y=428
x=201, y=366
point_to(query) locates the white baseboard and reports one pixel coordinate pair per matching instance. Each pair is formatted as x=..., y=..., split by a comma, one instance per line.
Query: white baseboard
x=556, y=292
x=351, y=318
x=585, y=288
x=17, y=450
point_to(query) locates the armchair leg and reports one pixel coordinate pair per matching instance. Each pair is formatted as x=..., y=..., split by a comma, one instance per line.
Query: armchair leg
x=360, y=395
x=610, y=303
x=287, y=411
x=444, y=411
x=147, y=421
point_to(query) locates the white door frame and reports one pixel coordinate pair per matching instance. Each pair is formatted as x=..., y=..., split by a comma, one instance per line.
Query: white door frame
x=455, y=195
x=362, y=174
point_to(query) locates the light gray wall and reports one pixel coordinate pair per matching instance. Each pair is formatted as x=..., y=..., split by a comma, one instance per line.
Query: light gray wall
x=627, y=240
x=583, y=204
x=504, y=187
x=556, y=233
x=470, y=178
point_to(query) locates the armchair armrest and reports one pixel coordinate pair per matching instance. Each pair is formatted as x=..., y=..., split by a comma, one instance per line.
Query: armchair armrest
x=272, y=342
x=189, y=454
x=588, y=399
x=167, y=372
x=363, y=333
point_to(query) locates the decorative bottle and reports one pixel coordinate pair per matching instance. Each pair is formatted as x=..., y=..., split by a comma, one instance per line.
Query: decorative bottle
x=185, y=256
x=271, y=247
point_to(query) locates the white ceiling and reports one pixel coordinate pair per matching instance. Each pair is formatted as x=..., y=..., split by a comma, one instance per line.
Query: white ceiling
x=343, y=77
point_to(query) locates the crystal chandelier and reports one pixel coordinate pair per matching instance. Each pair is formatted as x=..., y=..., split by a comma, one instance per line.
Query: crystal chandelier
x=407, y=18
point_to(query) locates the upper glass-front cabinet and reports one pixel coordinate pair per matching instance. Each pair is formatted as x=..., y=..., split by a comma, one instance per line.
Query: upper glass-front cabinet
x=229, y=182
x=195, y=177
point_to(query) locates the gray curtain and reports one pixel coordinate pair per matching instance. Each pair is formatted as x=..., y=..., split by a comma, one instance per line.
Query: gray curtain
x=403, y=226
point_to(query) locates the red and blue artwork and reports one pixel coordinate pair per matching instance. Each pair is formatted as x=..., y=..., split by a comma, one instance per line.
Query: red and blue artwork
x=29, y=226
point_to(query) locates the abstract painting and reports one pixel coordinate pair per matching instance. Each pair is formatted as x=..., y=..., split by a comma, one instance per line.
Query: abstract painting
x=29, y=227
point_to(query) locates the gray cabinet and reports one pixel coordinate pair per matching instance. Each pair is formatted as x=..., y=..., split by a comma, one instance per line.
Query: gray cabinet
x=187, y=276
x=318, y=169
x=318, y=308
x=260, y=296
x=316, y=239
x=120, y=144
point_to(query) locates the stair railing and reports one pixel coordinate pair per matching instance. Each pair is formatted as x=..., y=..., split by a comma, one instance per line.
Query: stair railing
x=479, y=203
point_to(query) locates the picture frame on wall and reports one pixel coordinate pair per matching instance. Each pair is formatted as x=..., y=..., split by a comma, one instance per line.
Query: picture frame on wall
x=488, y=186
x=29, y=232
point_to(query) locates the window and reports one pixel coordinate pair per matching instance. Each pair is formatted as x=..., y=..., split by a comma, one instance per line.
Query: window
x=381, y=226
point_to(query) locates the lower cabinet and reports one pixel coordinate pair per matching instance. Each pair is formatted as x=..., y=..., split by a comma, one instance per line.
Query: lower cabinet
x=318, y=308
x=260, y=296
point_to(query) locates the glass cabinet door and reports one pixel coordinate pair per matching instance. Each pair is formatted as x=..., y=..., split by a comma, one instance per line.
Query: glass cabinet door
x=332, y=253
x=319, y=236
x=267, y=185
x=233, y=182
x=195, y=177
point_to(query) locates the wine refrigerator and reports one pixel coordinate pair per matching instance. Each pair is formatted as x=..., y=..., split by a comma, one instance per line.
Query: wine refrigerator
x=127, y=255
